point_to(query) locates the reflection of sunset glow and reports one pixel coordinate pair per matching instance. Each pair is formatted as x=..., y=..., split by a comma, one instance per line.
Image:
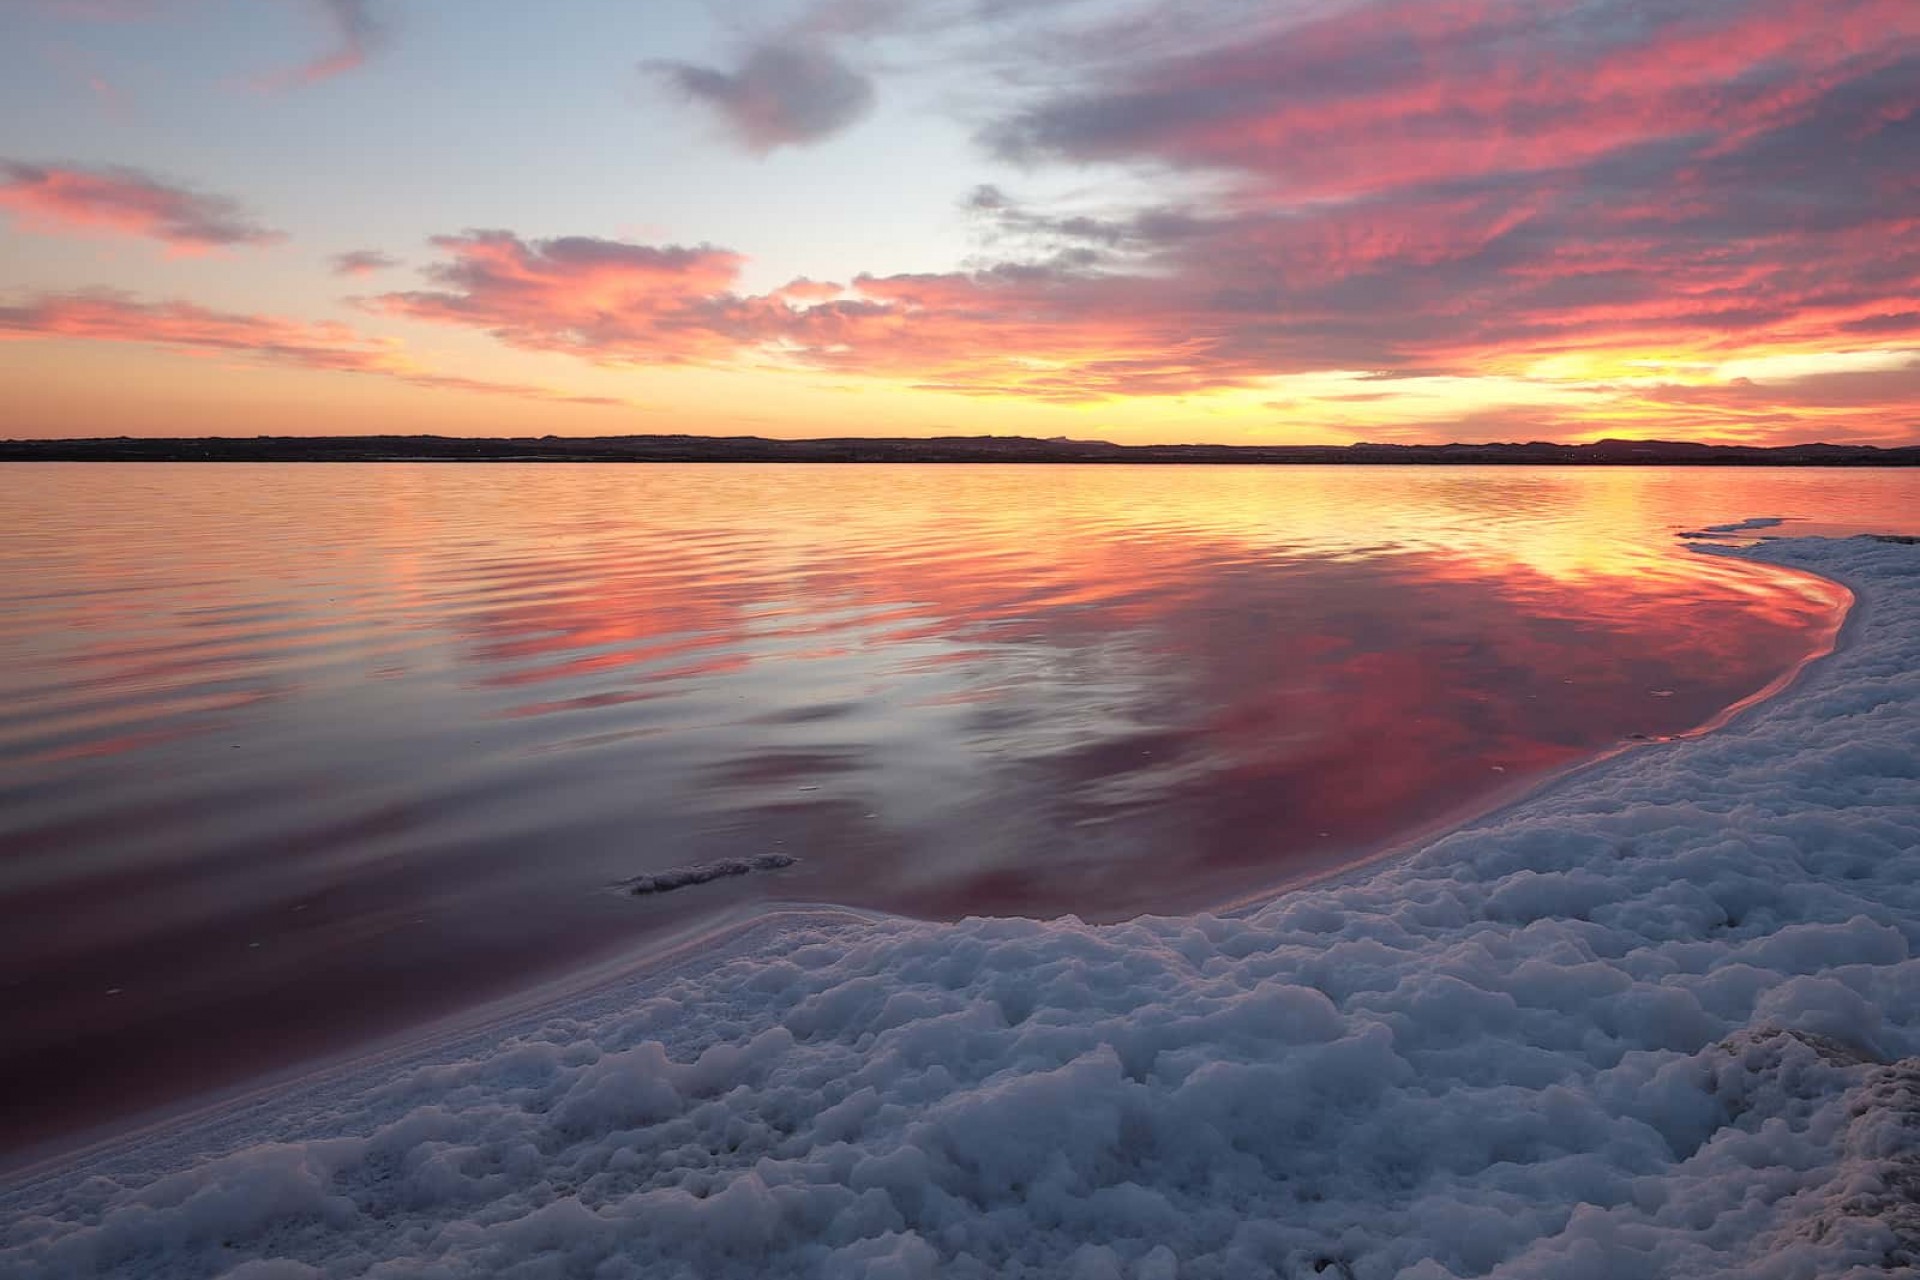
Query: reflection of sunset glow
x=416, y=722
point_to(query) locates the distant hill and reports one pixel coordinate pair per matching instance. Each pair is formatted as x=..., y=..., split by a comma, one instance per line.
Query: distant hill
x=682, y=448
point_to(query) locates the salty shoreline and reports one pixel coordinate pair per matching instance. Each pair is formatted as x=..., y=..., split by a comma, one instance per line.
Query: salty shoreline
x=1596, y=1026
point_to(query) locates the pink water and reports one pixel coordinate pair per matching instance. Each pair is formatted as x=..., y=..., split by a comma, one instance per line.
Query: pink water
x=292, y=756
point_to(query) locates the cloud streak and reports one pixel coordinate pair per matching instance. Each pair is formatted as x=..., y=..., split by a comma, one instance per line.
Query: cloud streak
x=184, y=326
x=356, y=34
x=67, y=199
x=362, y=262
x=354, y=31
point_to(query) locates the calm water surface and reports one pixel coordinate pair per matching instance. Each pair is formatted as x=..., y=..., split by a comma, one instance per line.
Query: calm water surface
x=291, y=756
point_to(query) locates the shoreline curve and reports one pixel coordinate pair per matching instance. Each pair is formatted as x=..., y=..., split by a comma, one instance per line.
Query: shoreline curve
x=714, y=936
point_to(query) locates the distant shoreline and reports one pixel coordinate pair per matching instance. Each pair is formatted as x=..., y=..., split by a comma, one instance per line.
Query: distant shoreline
x=939, y=449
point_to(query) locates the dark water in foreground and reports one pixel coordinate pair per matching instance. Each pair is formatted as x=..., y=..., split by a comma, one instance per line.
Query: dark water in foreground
x=294, y=756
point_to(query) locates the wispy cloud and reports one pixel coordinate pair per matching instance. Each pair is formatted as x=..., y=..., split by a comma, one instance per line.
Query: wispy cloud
x=67, y=199
x=355, y=32
x=113, y=317
x=362, y=262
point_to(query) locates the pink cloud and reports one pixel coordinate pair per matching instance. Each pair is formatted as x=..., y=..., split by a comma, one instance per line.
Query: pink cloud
x=1352, y=99
x=1478, y=185
x=107, y=317
x=589, y=296
x=55, y=199
x=1053, y=335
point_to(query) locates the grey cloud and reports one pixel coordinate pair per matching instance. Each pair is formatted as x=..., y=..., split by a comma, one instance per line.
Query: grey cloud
x=1081, y=239
x=362, y=262
x=781, y=95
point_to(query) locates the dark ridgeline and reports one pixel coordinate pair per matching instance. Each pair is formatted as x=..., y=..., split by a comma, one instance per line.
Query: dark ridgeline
x=681, y=448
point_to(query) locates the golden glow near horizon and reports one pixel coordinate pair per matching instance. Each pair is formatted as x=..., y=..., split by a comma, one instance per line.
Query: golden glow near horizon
x=1172, y=245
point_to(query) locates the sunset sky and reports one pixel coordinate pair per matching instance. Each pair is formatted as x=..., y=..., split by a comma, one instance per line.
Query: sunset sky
x=1137, y=220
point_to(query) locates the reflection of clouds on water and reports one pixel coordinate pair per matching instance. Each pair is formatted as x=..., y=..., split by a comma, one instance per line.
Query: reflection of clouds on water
x=1160, y=715
x=947, y=690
